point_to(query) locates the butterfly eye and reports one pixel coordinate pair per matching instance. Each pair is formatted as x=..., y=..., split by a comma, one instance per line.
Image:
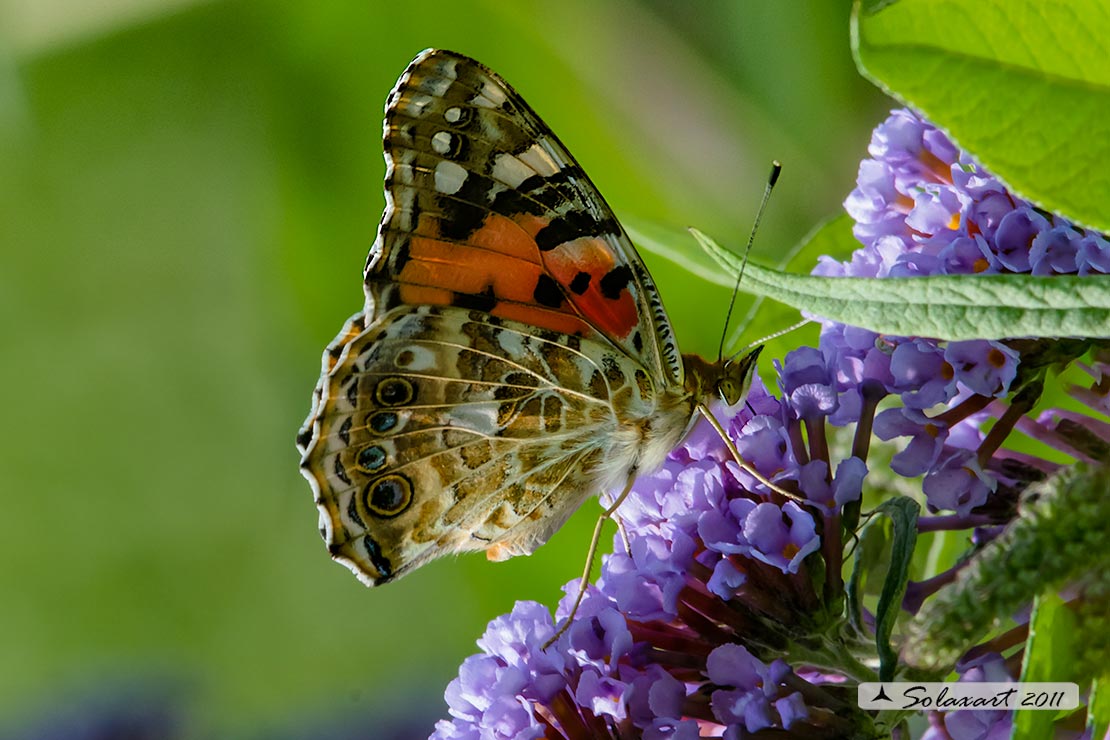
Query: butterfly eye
x=730, y=391
x=394, y=392
x=387, y=496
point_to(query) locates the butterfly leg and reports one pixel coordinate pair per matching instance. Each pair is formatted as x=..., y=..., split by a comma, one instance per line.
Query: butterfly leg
x=591, y=554
x=744, y=464
x=624, y=536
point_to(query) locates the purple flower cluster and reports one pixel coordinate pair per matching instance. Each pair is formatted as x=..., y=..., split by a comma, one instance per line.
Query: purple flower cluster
x=713, y=615
x=923, y=207
x=676, y=638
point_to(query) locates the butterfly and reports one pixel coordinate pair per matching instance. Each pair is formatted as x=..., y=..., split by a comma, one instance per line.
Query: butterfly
x=513, y=356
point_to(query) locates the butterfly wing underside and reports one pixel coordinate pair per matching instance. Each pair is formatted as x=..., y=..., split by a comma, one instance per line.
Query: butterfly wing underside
x=472, y=404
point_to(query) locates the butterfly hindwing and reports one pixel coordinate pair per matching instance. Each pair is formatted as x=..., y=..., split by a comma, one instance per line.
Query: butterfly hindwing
x=487, y=210
x=440, y=430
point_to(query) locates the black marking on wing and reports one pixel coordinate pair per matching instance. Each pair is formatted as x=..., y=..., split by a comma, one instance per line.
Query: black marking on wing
x=340, y=471
x=547, y=292
x=380, y=561
x=352, y=512
x=580, y=283
x=458, y=147
x=401, y=254
x=615, y=281
x=460, y=217
x=484, y=301
x=571, y=226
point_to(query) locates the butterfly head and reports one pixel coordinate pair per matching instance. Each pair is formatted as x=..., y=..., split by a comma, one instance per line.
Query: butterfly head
x=736, y=376
x=727, y=379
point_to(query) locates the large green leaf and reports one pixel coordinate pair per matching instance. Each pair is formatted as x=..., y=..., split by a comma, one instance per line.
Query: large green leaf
x=761, y=317
x=680, y=247
x=1050, y=654
x=952, y=307
x=831, y=238
x=1024, y=85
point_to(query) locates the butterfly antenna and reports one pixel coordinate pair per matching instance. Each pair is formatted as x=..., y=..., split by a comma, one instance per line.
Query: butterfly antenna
x=776, y=168
x=770, y=337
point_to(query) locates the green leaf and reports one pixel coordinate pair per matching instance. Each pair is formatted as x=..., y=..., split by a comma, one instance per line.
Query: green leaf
x=870, y=564
x=833, y=238
x=1023, y=85
x=680, y=247
x=951, y=307
x=1098, y=709
x=1050, y=655
x=686, y=248
x=938, y=551
x=903, y=513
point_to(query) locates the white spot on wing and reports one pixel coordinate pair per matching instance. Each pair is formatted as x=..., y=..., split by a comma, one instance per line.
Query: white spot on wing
x=510, y=170
x=452, y=115
x=400, y=216
x=490, y=96
x=538, y=158
x=422, y=358
x=402, y=171
x=513, y=344
x=479, y=418
x=441, y=142
x=449, y=177
x=415, y=104
x=491, y=132
x=437, y=86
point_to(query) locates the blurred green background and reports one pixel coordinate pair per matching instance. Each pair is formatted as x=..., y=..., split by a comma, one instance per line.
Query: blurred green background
x=187, y=194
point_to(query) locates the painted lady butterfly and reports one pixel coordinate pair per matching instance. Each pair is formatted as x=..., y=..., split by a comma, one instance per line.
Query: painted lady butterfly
x=513, y=356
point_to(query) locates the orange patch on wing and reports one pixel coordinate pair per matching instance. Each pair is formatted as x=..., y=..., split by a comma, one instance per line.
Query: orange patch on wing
x=531, y=225
x=500, y=262
x=500, y=259
x=422, y=295
x=546, y=318
x=616, y=316
x=513, y=238
x=456, y=268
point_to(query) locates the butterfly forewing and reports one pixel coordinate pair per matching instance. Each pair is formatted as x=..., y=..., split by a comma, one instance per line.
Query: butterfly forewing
x=488, y=210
